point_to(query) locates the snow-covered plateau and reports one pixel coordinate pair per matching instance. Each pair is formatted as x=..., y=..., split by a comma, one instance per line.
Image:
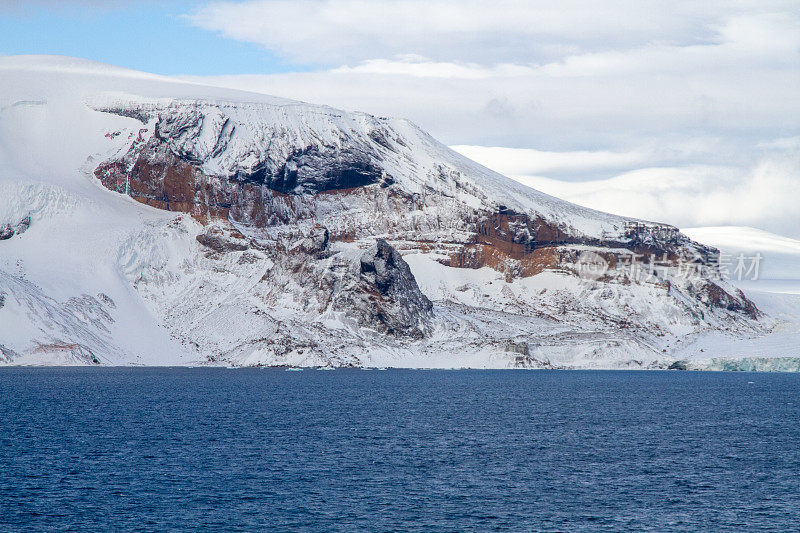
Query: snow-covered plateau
x=150, y=221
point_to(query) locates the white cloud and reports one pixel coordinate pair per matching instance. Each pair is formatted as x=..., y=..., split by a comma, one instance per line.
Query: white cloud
x=421, y=67
x=343, y=31
x=764, y=195
x=559, y=77
x=526, y=161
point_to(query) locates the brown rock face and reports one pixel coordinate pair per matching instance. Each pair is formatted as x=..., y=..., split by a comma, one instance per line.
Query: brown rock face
x=513, y=265
x=713, y=295
x=168, y=183
x=517, y=234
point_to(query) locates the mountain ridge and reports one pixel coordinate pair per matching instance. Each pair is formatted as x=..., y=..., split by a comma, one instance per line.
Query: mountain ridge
x=264, y=210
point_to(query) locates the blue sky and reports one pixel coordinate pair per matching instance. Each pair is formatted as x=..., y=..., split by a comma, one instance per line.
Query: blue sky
x=150, y=36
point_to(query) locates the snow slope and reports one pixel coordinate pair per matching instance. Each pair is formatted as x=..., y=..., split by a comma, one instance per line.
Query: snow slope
x=91, y=276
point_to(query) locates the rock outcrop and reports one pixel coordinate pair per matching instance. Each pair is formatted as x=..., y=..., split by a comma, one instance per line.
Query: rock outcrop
x=380, y=292
x=9, y=230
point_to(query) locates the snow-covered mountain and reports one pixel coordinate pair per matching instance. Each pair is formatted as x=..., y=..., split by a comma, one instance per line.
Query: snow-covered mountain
x=145, y=220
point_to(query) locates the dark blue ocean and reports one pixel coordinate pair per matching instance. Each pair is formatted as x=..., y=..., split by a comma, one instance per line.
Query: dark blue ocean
x=246, y=450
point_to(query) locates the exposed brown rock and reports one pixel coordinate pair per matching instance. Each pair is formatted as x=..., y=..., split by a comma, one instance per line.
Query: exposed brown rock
x=220, y=244
x=713, y=295
x=172, y=185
